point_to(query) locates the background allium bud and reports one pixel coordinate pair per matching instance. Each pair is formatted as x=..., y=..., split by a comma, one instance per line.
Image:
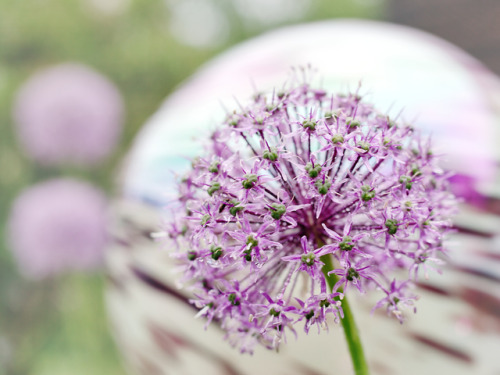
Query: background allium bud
x=68, y=114
x=58, y=225
x=298, y=186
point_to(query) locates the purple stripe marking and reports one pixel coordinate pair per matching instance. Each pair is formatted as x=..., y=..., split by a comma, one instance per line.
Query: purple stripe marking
x=443, y=348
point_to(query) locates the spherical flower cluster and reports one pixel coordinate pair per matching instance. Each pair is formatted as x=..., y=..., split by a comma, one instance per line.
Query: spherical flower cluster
x=302, y=197
x=68, y=114
x=58, y=225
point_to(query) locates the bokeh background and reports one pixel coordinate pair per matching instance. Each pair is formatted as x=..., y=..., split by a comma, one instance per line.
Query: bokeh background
x=54, y=321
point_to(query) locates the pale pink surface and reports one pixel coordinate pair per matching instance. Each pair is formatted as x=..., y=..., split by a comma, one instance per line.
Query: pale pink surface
x=58, y=225
x=68, y=114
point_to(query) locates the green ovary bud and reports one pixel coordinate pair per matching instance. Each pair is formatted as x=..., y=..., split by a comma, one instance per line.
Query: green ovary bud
x=309, y=124
x=249, y=181
x=313, y=171
x=277, y=210
x=415, y=171
x=392, y=226
x=406, y=180
x=248, y=255
x=324, y=303
x=323, y=187
x=309, y=315
x=270, y=155
x=367, y=194
x=252, y=242
x=337, y=139
x=352, y=274
x=234, y=210
x=329, y=115
x=213, y=188
x=233, y=300
x=308, y=259
x=364, y=146
x=236, y=207
x=216, y=252
x=352, y=123
x=346, y=244
x=214, y=167
x=273, y=312
x=191, y=255
x=204, y=219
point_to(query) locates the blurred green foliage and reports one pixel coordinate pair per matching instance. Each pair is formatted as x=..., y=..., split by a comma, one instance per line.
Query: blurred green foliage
x=59, y=326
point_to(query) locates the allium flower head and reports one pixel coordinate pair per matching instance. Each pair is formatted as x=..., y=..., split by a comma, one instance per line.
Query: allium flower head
x=58, y=225
x=68, y=114
x=297, y=187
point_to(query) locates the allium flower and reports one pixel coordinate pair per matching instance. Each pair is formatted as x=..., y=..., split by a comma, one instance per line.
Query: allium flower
x=301, y=197
x=58, y=225
x=68, y=114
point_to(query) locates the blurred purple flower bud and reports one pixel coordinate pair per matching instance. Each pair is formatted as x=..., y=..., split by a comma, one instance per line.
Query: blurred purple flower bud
x=68, y=114
x=58, y=225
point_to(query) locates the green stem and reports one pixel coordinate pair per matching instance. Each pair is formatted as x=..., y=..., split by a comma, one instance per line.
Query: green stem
x=350, y=329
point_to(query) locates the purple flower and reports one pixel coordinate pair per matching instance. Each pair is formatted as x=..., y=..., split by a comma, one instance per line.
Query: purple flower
x=315, y=310
x=297, y=187
x=309, y=261
x=397, y=297
x=347, y=244
x=352, y=273
x=56, y=226
x=68, y=114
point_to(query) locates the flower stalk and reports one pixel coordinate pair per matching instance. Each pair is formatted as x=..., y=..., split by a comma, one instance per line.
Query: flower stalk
x=351, y=331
